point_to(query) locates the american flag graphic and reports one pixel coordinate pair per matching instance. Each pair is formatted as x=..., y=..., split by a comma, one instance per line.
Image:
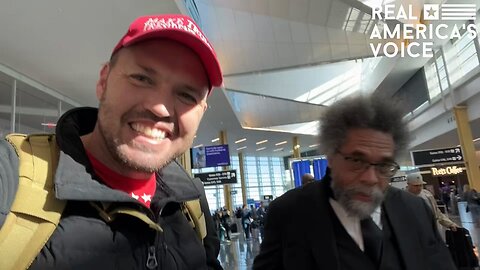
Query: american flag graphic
x=458, y=12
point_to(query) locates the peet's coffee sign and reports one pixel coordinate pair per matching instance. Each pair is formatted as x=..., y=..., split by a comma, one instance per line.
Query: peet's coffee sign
x=449, y=170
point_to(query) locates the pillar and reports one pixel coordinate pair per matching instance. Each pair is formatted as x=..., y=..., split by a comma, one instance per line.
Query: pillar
x=242, y=178
x=468, y=149
x=185, y=161
x=226, y=188
x=296, y=147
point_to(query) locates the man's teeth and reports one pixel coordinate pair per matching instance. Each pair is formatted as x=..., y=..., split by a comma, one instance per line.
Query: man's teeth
x=150, y=132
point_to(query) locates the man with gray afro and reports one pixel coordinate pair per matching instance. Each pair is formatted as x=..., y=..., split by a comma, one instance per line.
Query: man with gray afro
x=353, y=218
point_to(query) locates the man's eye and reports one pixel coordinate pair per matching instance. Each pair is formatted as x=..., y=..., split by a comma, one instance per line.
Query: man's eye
x=188, y=98
x=141, y=78
x=357, y=160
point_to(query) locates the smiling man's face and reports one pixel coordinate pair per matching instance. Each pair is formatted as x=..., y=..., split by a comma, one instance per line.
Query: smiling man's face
x=152, y=99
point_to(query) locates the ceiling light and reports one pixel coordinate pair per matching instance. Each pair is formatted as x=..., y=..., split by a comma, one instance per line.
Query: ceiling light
x=196, y=146
x=278, y=149
x=260, y=142
x=314, y=145
x=238, y=149
x=260, y=149
x=280, y=143
x=241, y=140
x=216, y=140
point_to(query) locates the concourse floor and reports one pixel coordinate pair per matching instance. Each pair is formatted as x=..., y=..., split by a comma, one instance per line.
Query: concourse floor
x=238, y=254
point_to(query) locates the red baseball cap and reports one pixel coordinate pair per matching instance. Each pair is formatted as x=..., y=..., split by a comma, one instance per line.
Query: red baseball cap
x=180, y=28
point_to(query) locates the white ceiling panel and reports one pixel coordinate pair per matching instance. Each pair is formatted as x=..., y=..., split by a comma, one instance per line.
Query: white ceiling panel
x=227, y=24
x=286, y=55
x=298, y=10
x=359, y=51
x=337, y=14
x=281, y=30
x=288, y=84
x=303, y=52
x=340, y=51
x=267, y=55
x=263, y=28
x=72, y=39
x=299, y=32
x=258, y=6
x=318, y=34
x=265, y=40
x=274, y=111
x=318, y=12
x=336, y=36
x=250, y=63
x=321, y=52
x=278, y=8
x=210, y=23
x=244, y=26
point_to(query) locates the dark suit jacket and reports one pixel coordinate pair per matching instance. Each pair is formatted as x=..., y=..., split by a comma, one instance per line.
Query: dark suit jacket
x=299, y=231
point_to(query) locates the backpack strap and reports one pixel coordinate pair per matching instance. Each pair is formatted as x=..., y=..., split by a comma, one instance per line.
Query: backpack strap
x=35, y=212
x=193, y=212
x=109, y=215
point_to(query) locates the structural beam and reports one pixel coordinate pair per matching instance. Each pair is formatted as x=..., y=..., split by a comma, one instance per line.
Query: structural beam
x=466, y=141
x=242, y=178
x=226, y=188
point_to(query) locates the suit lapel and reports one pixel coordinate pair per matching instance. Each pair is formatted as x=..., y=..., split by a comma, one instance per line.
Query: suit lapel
x=403, y=228
x=320, y=232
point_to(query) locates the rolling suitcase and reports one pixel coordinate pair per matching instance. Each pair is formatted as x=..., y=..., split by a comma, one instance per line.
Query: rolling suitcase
x=461, y=247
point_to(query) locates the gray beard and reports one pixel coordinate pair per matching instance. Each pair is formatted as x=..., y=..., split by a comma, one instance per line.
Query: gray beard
x=356, y=208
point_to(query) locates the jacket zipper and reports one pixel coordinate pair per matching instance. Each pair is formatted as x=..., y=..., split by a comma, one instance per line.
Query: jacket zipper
x=152, y=262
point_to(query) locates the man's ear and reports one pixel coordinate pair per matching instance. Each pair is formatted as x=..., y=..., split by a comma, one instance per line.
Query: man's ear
x=205, y=107
x=102, y=80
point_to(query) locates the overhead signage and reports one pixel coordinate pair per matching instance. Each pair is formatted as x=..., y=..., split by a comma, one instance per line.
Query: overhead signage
x=449, y=170
x=210, y=156
x=268, y=197
x=436, y=156
x=218, y=178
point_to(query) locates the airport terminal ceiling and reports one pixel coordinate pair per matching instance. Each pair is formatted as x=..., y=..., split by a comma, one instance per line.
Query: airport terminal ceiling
x=301, y=54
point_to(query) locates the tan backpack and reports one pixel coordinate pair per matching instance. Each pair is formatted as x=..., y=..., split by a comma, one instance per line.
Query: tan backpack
x=36, y=212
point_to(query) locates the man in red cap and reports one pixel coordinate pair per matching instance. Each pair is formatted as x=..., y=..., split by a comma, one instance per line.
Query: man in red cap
x=125, y=192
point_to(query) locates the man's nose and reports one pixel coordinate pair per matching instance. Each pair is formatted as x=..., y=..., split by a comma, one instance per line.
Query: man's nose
x=370, y=175
x=161, y=102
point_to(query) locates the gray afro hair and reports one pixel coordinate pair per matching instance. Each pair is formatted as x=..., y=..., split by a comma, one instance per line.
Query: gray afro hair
x=362, y=111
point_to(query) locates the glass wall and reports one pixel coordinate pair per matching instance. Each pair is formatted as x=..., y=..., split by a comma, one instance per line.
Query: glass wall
x=36, y=108
x=263, y=176
x=461, y=58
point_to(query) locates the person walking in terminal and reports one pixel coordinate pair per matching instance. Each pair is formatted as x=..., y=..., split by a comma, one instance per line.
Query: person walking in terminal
x=352, y=218
x=415, y=186
x=125, y=193
x=471, y=196
x=307, y=179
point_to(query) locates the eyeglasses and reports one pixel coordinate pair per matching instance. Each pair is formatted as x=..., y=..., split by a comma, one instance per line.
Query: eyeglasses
x=383, y=169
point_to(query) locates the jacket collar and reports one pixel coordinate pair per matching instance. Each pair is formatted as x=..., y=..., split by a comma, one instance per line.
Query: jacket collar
x=75, y=178
x=408, y=241
x=320, y=229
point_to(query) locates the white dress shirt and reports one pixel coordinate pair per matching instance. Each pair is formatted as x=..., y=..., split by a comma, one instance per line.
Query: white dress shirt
x=352, y=223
